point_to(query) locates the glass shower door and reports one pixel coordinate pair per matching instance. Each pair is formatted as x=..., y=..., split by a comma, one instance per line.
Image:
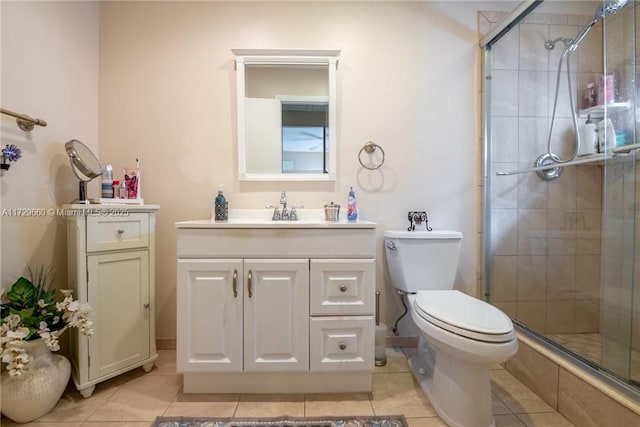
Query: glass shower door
x=619, y=317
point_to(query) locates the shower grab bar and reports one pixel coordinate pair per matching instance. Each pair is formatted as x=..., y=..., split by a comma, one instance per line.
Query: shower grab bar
x=625, y=149
x=24, y=122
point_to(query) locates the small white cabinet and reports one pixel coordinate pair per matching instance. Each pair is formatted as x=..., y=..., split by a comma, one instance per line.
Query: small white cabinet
x=110, y=264
x=266, y=310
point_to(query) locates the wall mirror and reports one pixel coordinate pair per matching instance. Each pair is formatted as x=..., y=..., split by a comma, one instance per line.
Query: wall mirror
x=286, y=114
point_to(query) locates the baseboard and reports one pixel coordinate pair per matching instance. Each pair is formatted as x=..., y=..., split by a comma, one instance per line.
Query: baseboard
x=166, y=343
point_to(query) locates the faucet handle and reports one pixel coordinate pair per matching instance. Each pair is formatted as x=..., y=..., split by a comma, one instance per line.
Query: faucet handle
x=283, y=197
x=276, y=213
x=293, y=214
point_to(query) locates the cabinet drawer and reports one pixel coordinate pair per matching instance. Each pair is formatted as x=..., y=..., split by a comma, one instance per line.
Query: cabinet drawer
x=342, y=287
x=341, y=343
x=106, y=233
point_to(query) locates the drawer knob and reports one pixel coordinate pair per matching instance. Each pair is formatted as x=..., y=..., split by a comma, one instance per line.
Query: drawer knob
x=120, y=230
x=342, y=346
x=343, y=288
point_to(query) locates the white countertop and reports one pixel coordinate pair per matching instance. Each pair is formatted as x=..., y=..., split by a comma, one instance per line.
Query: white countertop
x=261, y=218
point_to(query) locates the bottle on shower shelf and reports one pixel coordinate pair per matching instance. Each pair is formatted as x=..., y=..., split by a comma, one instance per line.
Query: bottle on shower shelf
x=590, y=98
x=588, y=138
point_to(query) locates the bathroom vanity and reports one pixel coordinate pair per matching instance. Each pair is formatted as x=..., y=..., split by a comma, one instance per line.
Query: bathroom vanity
x=275, y=306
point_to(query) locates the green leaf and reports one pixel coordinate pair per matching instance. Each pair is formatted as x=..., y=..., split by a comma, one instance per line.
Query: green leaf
x=22, y=293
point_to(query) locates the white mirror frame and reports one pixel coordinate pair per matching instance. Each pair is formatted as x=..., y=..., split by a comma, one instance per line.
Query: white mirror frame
x=285, y=57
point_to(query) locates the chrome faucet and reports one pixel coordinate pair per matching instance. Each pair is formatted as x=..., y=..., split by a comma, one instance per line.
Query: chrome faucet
x=283, y=202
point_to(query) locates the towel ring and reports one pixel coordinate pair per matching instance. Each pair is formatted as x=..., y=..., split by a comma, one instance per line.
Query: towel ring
x=369, y=148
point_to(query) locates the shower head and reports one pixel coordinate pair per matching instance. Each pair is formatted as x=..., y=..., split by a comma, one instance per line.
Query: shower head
x=607, y=8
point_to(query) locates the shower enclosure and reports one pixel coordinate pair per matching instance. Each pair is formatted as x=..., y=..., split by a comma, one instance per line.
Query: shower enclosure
x=560, y=216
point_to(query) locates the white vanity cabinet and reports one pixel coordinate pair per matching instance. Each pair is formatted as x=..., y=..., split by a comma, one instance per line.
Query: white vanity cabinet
x=240, y=315
x=275, y=309
x=111, y=265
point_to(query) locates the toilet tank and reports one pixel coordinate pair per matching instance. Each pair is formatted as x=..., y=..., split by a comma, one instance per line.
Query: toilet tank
x=422, y=260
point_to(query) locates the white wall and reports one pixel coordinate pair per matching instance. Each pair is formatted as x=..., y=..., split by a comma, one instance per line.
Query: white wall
x=49, y=70
x=407, y=80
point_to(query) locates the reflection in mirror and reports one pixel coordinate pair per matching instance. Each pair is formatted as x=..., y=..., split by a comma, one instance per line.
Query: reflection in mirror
x=286, y=111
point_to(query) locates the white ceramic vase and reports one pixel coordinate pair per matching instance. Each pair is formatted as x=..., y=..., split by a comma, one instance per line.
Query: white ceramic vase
x=38, y=390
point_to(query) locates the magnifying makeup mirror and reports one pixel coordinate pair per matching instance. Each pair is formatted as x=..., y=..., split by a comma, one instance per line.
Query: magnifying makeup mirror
x=85, y=166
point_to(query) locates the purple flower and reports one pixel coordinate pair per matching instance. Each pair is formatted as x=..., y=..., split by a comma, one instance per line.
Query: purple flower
x=11, y=153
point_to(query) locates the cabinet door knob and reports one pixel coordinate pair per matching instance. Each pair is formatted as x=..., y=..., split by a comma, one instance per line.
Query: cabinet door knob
x=343, y=288
x=120, y=230
x=249, y=285
x=342, y=346
x=147, y=305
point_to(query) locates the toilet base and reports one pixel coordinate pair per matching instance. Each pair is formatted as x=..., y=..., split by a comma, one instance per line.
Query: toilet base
x=459, y=391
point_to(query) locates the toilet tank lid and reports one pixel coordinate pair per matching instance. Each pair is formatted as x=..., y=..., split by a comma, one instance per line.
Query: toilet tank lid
x=423, y=234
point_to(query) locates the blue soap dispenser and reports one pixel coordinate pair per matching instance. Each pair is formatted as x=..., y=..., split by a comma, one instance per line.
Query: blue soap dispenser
x=221, y=211
x=352, y=210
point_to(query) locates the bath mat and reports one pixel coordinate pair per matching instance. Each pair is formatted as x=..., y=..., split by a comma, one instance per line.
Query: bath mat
x=386, y=421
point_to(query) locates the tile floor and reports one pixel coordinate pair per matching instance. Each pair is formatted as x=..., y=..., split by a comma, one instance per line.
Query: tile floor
x=135, y=399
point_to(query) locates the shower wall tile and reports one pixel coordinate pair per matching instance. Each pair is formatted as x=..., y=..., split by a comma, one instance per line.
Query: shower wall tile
x=504, y=191
x=504, y=278
x=532, y=191
x=533, y=90
x=532, y=139
x=532, y=232
x=545, y=18
x=531, y=278
x=590, y=52
x=587, y=316
x=562, y=191
x=533, y=314
x=533, y=55
x=567, y=32
x=564, y=103
x=504, y=231
x=505, y=93
x=563, y=138
x=507, y=307
x=505, y=53
x=553, y=282
x=588, y=277
x=589, y=188
x=561, y=317
x=504, y=139
x=561, y=277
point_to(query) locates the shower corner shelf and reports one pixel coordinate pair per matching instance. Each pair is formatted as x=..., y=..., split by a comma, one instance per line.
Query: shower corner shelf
x=599, y=111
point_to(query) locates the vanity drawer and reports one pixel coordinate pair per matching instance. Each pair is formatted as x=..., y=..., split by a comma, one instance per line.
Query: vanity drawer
x=105, y=233
x=342, y=287
x=341, y=343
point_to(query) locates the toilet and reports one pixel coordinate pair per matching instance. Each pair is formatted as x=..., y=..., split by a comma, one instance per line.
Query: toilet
x=461, y=336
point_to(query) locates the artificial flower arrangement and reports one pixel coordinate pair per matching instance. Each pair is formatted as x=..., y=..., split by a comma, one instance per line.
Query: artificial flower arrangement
x=29, y=310
x=10, y=153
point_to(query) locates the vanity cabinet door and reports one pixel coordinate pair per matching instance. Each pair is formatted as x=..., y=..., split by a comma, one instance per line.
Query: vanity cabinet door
x=210, y=309
x=118, y=291
x=276, y=315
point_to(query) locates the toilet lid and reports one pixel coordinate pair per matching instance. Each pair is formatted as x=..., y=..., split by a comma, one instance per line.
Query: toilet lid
x=464, y=315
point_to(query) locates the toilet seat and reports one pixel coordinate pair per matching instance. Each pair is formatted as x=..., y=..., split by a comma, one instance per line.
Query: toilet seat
x=464, y=315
